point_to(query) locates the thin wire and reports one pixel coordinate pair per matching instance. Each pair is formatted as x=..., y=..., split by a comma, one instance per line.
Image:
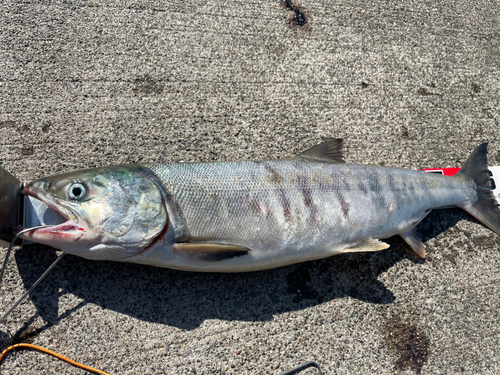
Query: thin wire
x=39, y=279
x=57, y=355
x=33, y=286
x=12, y=244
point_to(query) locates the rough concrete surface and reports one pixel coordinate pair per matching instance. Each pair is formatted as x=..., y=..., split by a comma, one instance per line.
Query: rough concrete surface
x=406, y=83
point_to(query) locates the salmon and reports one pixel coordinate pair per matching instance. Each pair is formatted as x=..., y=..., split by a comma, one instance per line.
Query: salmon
x=252, y=215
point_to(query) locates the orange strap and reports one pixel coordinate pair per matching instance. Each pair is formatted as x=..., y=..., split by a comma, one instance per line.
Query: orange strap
x=51, y=353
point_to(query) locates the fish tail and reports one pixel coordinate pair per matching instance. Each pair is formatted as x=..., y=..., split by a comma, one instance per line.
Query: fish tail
x=484, y=206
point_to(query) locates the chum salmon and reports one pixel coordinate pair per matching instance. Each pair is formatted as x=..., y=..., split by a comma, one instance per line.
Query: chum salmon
x=251, y=215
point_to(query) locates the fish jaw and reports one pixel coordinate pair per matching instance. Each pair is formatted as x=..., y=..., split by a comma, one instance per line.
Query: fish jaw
x=56, y=236
x=60, y=236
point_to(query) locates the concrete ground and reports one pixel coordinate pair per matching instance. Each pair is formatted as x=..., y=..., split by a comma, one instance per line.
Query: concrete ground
x=407, y=83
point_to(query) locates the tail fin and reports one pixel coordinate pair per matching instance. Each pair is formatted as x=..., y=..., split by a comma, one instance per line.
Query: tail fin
x=485, y=208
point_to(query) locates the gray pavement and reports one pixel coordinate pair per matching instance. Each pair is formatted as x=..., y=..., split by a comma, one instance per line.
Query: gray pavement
x=408, y=83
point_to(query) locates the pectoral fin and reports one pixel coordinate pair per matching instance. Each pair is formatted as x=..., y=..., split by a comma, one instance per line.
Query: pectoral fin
x=370, y=244
x=411, y=238
x=210, y=252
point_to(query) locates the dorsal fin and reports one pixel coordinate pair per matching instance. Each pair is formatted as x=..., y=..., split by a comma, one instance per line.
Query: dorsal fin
x=330, y=150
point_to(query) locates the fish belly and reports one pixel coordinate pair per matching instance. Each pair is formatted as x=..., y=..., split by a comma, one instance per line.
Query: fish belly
x=292, y=210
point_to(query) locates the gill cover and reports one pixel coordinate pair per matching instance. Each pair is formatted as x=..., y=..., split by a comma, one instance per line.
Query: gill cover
x=113, y=212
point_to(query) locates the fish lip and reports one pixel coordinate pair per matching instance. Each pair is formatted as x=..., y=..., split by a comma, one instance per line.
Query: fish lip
x=68, y=227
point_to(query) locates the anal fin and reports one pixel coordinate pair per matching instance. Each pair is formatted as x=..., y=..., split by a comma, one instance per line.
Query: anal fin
x=370, y=244
x=210, y=252
x=412, y=239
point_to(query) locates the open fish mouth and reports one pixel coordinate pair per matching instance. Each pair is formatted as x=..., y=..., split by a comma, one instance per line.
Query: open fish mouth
x=68, y=230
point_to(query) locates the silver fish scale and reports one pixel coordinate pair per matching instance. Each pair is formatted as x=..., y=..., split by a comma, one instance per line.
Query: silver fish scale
x=302, y=207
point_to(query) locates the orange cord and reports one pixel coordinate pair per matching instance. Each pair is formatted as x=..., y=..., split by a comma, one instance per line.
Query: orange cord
x=51, y=353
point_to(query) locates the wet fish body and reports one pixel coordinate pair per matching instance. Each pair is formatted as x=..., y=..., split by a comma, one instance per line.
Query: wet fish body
x=252, y=215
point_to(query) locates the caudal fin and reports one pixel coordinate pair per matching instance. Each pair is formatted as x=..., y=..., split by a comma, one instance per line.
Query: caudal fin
x=485, y=208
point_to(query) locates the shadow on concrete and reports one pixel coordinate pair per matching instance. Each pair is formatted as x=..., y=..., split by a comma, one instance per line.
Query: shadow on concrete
x=186, y=299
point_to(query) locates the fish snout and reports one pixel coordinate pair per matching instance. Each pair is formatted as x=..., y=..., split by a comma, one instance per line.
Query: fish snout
x=35, y=187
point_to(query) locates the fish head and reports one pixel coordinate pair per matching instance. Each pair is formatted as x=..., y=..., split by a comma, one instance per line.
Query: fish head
x=111, y=212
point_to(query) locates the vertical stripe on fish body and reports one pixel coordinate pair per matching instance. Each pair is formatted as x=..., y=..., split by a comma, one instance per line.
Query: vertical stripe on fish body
x=294, y=210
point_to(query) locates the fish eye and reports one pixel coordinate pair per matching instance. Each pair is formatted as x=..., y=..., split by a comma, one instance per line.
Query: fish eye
x=77, y=191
